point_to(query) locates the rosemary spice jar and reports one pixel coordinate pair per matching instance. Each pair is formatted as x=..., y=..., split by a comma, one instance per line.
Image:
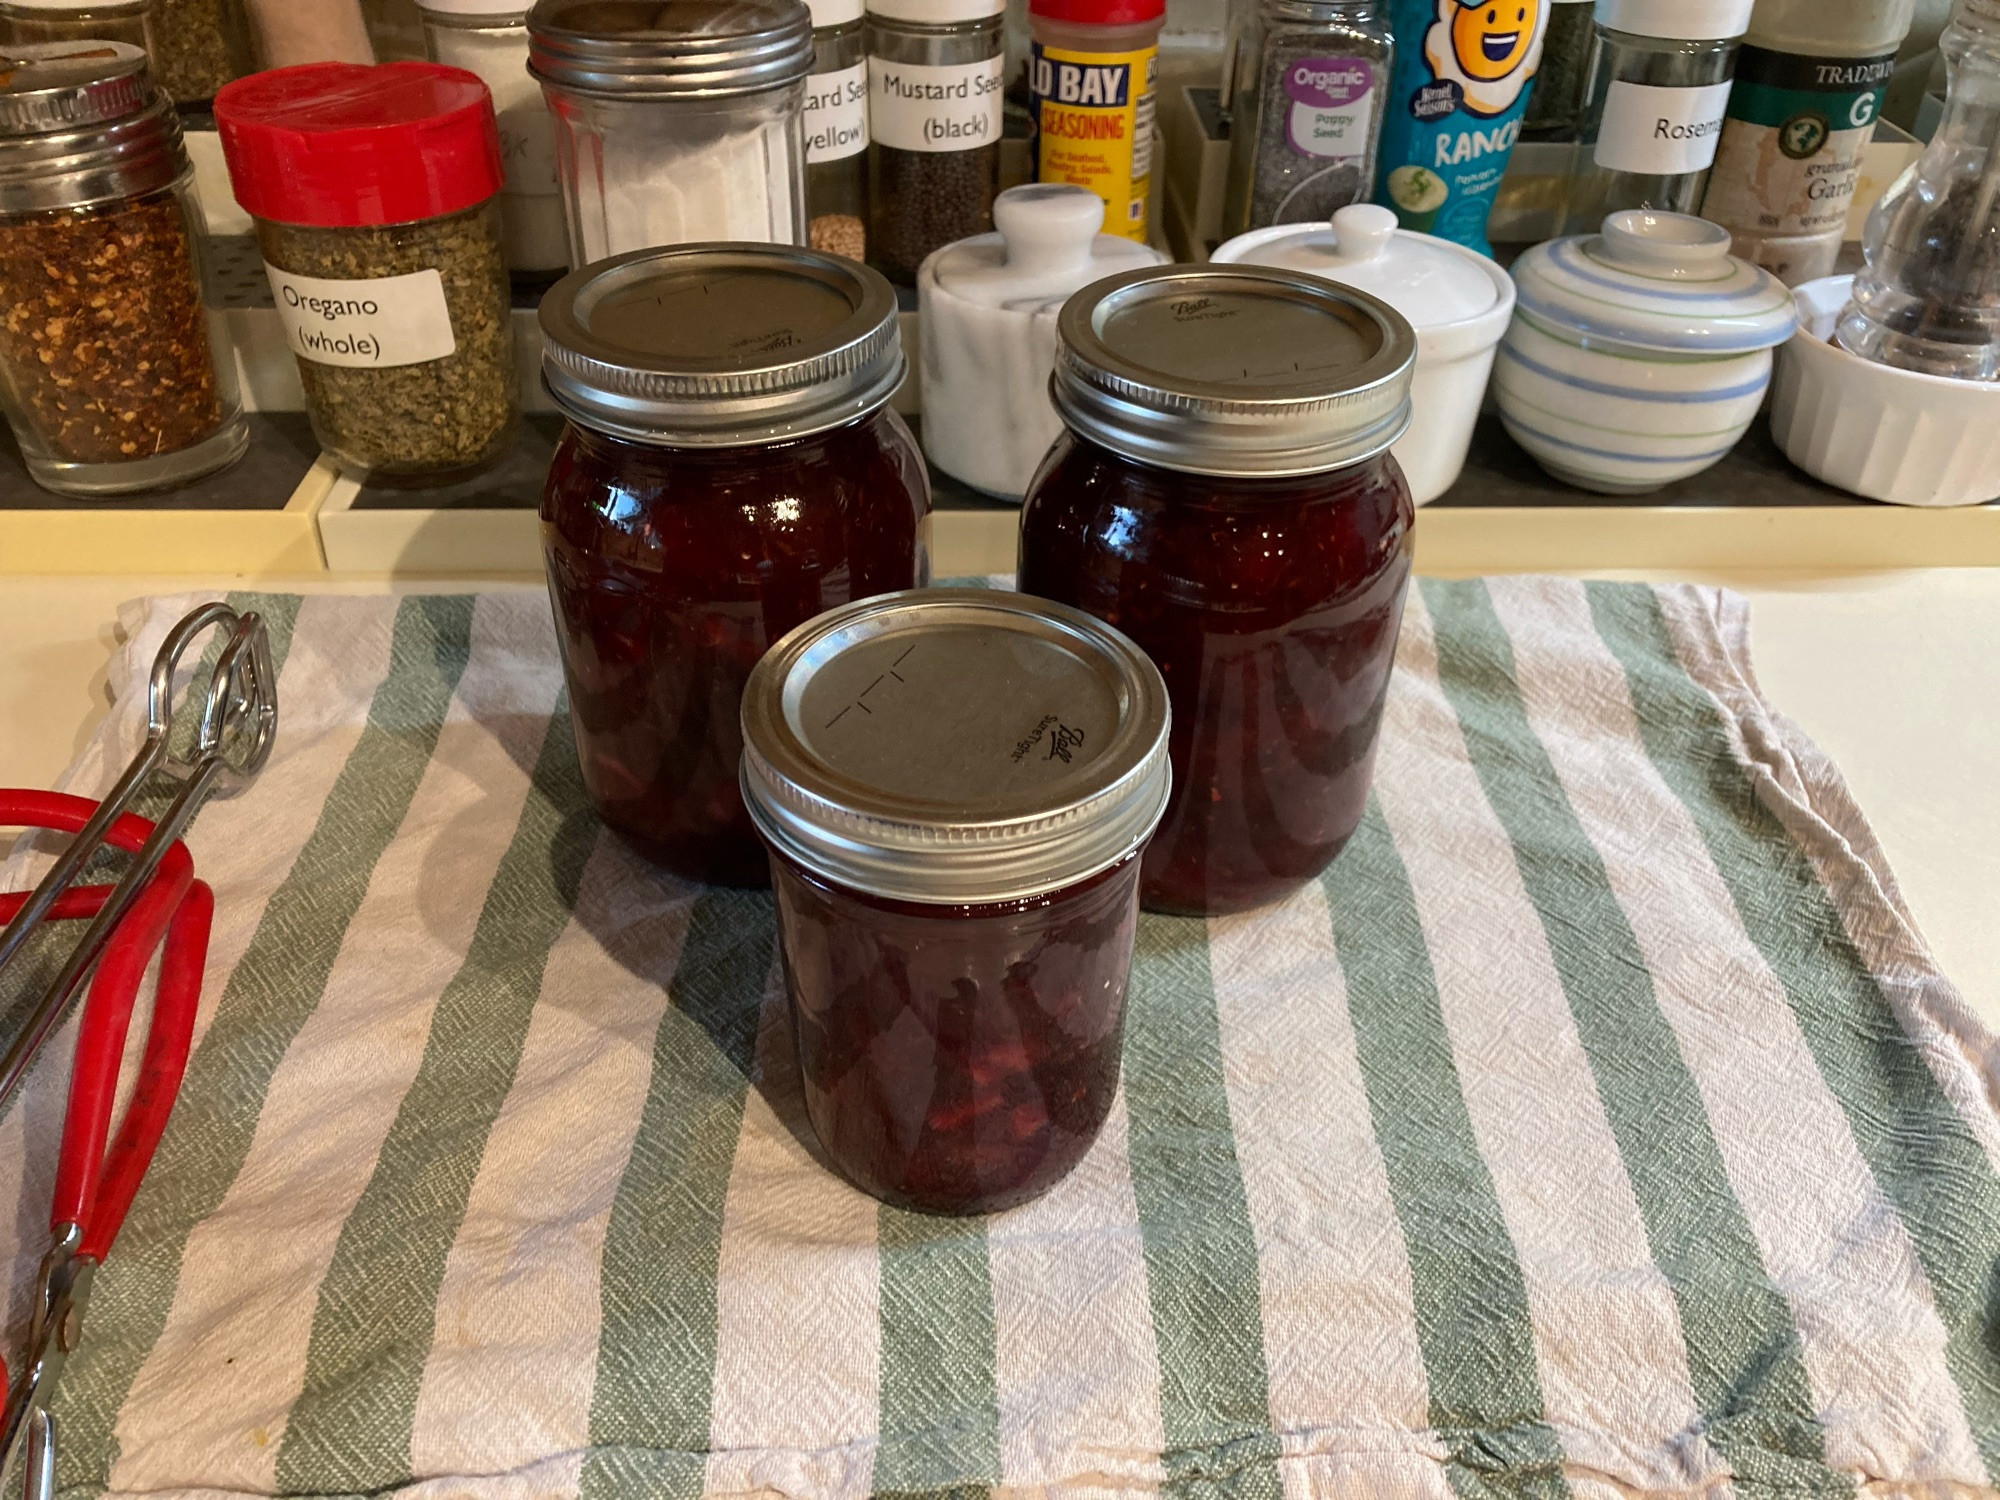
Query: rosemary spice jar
x=837, y=131
x=114, y=375
x=676, y=122
x=26, y=22
x=1312, y=78
x=376, y=195
x=935, y=71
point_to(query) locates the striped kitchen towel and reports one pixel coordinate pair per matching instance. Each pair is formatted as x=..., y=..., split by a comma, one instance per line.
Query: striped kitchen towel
x=1598, y=1126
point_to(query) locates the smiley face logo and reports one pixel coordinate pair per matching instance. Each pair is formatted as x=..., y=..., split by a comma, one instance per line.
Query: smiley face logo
x=1492, y=40
x=1490, y=49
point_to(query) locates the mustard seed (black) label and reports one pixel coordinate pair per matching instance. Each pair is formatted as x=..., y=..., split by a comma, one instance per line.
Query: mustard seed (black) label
x=368, y=324
x=943, y=107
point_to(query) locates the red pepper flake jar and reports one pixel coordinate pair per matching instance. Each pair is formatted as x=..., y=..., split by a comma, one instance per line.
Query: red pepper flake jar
x=955, y=785
x=1224, y=495
x=731, y=468
x=115, y=375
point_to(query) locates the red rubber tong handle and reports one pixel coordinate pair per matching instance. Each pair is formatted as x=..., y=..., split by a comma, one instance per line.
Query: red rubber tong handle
x=94, y=1190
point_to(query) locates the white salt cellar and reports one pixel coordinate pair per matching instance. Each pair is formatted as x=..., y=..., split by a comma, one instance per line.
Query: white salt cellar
x=987, y=315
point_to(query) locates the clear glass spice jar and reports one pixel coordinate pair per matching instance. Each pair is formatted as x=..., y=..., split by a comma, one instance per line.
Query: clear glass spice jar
x=954, y=785
x=200, y=45
x=23, y=23
x=376, y=195
x=676, y=122
x=114, y=373
x=1659, y=89
x=1225, y=495
x=731, y=468
x=490, y=38
x=1312, y=79
x=837, y=131
x=1555, y=107
x=936, y=69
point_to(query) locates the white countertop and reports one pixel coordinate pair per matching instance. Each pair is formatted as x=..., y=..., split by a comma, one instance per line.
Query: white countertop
x=1897, y=676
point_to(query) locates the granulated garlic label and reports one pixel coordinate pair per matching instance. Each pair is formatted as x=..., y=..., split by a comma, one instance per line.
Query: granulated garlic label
x=366, y=324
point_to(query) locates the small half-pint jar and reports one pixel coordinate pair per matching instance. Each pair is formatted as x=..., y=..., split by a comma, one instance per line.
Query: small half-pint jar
x=955, y=786
x=115, y=374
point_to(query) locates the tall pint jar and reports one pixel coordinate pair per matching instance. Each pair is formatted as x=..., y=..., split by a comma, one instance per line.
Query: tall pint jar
x=115, y=375
x=676, y=123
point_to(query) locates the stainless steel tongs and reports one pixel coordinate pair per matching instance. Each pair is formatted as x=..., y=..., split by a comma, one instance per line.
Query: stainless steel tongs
x=239, y=720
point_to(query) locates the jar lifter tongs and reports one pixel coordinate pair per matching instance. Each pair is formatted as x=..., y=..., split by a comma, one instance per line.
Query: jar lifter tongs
x=164, y=904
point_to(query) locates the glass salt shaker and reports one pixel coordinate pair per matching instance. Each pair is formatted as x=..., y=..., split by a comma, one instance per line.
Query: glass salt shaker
x=1928, y=297
x=1311, y=76
x=676, y=123
x=935, y=72
x=837, y=130
x=1659, y=88
x=490, y=38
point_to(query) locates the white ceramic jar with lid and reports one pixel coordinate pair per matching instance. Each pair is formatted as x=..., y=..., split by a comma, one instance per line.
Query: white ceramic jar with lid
x=988, y=308
x=1641, y=355
x=489, y=38
x=676, y=122
x=1458, y=301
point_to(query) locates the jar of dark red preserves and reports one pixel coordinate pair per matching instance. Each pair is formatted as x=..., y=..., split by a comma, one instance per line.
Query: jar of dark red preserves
x=955, y=785
x=731, y=468
x=1224, y=495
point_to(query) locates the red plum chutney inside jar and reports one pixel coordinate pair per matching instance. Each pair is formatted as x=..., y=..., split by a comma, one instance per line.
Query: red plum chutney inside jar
x=730, y=469
x=1224, y=495
x=955, y=785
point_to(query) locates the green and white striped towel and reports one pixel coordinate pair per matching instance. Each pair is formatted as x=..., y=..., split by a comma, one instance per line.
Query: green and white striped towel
x=1598, y=1125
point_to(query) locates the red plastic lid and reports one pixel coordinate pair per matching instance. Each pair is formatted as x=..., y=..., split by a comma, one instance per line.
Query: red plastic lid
x=340, y=144
x=1099, y=12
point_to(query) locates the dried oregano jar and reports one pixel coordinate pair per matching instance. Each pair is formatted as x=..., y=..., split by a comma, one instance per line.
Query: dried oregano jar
x=376, y=196
x=113, y=374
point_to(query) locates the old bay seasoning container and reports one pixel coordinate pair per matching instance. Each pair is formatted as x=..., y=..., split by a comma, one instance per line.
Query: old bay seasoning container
x=115, y=376
x=376, y=196
x=731, y=468
x=955, y=785
x=1225, y=495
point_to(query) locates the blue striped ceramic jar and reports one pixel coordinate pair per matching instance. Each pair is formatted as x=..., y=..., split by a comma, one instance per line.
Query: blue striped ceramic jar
x=1638, y=356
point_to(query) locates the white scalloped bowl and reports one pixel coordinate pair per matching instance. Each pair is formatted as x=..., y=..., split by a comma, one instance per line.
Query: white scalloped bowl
x=1876, y=431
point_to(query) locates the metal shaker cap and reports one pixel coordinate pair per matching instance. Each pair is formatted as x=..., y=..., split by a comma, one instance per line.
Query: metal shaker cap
x=83, y=122
x=955, y=746
x=669, y=48
x=1238, y=370
x=720, y=345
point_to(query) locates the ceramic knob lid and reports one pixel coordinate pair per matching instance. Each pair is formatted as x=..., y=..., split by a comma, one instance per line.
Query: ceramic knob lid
x=1047, y=246
x=1428, y=281
x=1655, y=281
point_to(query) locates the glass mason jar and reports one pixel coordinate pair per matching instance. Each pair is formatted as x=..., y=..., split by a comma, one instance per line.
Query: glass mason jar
x=26, y=22
x=837, y=131
x=731, y=468
x=1659, y=89
x=935, y=74
x=1327, y=62
x=1249, y=530
x=676, y=123
x=376, y=195
x=115, y=374
x=490, y=38
x=957, y=880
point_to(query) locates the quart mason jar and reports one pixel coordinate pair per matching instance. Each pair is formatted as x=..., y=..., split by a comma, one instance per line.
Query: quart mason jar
x=676, y=123
x=115, y=374
x=26, y=22
x=1225, y=495
x=731, y=468
x=955, y=785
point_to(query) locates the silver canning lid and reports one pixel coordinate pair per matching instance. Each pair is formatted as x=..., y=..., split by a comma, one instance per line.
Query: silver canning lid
x=669, y=48
x=1240, y=370
x=82, y=123
x=955, y=746
x=720, y=345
